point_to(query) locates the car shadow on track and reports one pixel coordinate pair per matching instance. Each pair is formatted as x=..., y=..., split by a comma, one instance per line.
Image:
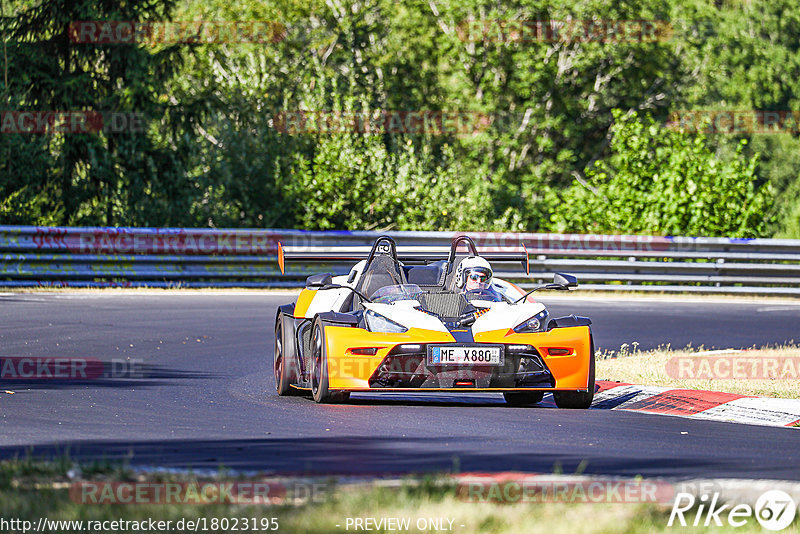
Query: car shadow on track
x=369, y=456
x=108, y=377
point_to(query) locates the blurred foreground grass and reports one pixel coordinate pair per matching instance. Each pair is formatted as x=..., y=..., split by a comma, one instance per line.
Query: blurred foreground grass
x=32, y=489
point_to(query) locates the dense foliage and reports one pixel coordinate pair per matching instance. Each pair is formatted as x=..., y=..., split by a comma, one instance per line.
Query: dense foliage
x=658, y=180
x=572, y=132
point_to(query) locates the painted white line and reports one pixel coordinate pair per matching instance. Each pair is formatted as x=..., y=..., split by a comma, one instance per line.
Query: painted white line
x=634, y=394
x=762, y=411
x=755, y=411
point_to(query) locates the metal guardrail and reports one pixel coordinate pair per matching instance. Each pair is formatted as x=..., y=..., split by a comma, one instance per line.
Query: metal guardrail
x=184, y=257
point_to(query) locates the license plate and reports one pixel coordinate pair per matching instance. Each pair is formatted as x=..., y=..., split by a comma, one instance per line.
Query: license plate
x=472, y=355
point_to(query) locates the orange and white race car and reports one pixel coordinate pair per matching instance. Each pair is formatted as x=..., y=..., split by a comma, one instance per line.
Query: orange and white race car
x=427, y=320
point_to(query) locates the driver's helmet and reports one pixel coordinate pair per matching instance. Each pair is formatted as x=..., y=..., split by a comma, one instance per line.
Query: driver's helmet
x=474, y=273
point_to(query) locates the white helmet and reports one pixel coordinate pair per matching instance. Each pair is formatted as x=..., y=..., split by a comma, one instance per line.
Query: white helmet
x=474, y=265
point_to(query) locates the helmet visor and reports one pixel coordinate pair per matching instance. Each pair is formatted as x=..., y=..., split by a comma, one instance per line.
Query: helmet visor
x=479, y=275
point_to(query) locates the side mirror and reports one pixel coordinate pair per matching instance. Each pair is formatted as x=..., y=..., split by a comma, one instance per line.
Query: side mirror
x=317, y=281
x=561, y=281
x=565, y=280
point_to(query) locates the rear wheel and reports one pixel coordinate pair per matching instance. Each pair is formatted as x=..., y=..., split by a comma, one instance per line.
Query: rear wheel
x=578, y=399
x=320, y=384
x=523, y=398
x=279, y=365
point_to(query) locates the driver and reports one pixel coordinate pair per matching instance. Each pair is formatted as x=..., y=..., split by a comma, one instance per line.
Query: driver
x=474, y=273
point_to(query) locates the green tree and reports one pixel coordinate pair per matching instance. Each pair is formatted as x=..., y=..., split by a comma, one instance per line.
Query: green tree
x=212, y=155
x=115, y=176
x=665, y=182
x=744, y=55
x=356, y=180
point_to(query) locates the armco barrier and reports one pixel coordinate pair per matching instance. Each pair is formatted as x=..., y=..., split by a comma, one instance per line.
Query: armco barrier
x=188, y=257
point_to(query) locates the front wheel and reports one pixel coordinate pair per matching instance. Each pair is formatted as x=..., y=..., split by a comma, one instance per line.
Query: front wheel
x=579, y=400
x=320, y=389
x=523, y=398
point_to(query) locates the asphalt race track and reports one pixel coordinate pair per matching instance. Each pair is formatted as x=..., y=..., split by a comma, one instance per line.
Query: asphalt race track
x=203, y=395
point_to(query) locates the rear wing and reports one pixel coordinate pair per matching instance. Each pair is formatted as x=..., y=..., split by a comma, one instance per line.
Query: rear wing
x=407, y=255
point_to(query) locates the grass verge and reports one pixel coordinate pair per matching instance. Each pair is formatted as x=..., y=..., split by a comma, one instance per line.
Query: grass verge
x=32, y=490
x=765, y=372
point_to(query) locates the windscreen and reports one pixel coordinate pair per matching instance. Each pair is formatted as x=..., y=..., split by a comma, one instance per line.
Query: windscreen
x=489, y=294
x=388, y=294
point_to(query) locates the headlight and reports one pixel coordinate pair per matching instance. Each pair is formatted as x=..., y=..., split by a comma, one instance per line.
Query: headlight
x=378, y=323
x=537, y=323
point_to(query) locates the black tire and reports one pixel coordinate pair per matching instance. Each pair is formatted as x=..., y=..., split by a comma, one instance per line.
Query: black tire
x=285, y=374
x=578, y=400
x=282, y=378
x=523, y=398
x=320, y=389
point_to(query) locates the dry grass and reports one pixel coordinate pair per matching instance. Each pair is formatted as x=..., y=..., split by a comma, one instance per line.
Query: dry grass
x=650, y=368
